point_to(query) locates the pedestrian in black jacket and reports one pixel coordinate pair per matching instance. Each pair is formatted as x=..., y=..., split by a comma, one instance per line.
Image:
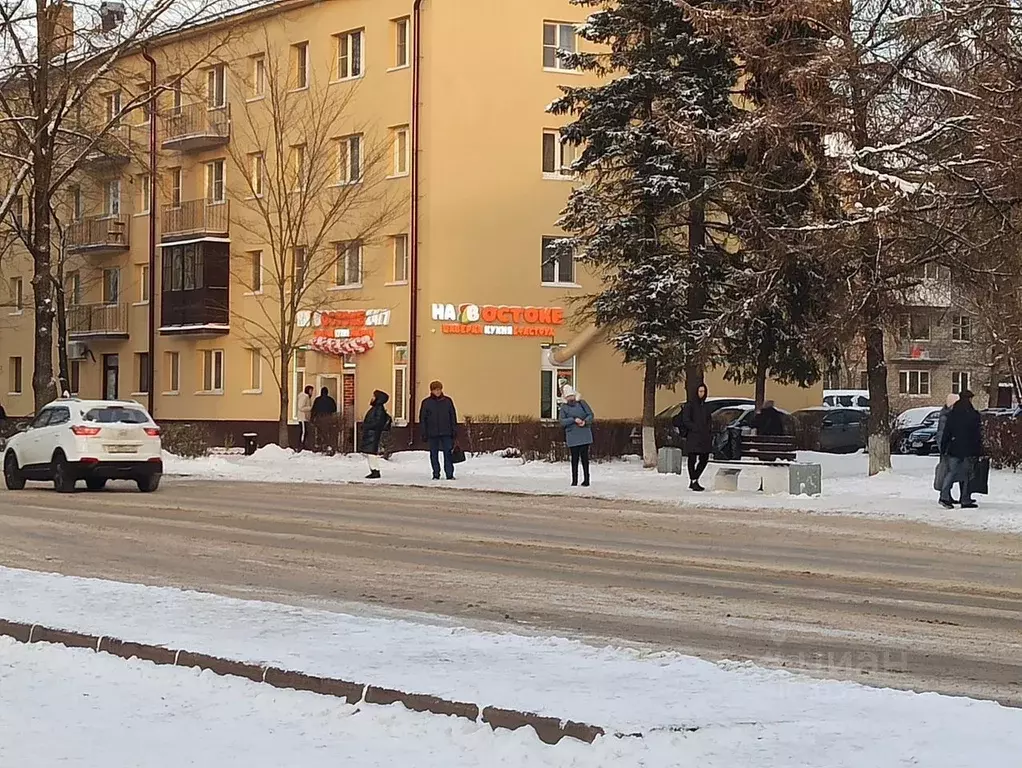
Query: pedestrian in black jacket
x=697, y=420
x=768, y=421
x=962, y=443
x=376, y=422
x=438, y=423
x=324, y=405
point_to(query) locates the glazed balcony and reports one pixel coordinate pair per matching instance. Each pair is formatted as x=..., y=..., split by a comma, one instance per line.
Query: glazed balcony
x=196, y=127
x=100, y=235
x=203, y=311
x=97, y=321
x=196, y=219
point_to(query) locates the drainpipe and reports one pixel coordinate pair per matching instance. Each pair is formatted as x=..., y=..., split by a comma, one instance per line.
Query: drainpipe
x=413, y=303
x=151, y=345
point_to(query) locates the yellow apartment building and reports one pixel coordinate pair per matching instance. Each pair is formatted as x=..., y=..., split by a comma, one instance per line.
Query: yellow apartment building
x=443, y=128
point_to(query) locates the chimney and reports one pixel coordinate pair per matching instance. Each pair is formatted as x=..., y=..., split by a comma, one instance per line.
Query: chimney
x=63, y=30
x=111, y=15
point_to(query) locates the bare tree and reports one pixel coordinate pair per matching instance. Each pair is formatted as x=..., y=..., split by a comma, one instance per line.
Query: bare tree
x=315, y=194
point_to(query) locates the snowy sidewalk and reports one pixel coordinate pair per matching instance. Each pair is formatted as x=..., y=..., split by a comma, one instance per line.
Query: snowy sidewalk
x=744, y=716
x=905, y=493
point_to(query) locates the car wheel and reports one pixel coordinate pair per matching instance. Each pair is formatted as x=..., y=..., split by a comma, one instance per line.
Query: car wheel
x=13, y=477
x=95, y=483
x=149, y=483
x=63, y=481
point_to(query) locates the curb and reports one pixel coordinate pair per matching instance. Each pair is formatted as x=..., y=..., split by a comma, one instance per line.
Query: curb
x=549, y=729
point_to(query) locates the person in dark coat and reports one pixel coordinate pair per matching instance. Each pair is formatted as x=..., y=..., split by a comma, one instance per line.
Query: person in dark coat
x=698, y=423
x=941, y=471
x=962, y=443
x=577, y=419
x=376, y=422
x=324, y=405
x=438, y=424
x=768, y=421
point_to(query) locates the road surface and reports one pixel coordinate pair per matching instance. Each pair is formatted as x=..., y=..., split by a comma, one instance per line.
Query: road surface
x=883, y=603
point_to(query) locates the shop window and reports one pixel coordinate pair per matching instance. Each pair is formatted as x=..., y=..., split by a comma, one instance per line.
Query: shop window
x=558, y=267
x=960, y=381
x=552, y=379
x=213, y=371
x=558, y=38
x=914, y=383
x=399, y=404
x=173, y=381
x=961, y=328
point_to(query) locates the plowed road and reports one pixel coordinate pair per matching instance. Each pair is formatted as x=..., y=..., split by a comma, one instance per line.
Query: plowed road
x=884, y=603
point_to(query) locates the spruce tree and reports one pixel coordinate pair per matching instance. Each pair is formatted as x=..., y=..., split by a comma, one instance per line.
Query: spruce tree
x=647, y=135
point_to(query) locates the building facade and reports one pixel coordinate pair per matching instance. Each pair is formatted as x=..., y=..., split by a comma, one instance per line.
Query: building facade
x=454, y=283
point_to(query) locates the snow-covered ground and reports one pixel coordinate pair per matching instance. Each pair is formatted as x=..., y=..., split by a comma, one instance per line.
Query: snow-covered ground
x=107, y=713
x=906, y=492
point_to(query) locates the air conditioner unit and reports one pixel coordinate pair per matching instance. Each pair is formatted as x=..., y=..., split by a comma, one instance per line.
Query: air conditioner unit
x=76, y=350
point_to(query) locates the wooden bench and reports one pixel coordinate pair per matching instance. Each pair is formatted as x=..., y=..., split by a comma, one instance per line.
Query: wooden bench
x=770, y=448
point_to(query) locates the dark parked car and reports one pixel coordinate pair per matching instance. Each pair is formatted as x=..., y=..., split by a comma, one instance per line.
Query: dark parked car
x=665, y=419
x=908, y=422
x=832, y=430
x=737, y=420
x=923, y=441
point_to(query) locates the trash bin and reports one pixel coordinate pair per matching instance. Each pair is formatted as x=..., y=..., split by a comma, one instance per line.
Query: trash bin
x=251, y=443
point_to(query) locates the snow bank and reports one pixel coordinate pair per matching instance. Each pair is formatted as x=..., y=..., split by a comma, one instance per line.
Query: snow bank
x=905, y=493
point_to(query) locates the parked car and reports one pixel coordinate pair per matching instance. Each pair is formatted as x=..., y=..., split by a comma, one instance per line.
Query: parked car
x=845, y=398
x=665, y=419
x=908, y=422
x=91, y=440
x=833, y=430
x=923, y=441
x=737, y=419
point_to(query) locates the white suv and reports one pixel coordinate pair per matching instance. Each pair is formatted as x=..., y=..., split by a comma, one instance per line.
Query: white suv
x=91, y=440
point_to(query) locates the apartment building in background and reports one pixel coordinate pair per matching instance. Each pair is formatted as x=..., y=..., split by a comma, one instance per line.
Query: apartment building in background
x=457, y=283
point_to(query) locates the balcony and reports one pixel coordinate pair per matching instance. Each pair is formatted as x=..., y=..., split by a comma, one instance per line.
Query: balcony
x=196, y=127
x=203, y=311
x=99, y=235
x=112, y=150
x=196, y=219
x=97, y=321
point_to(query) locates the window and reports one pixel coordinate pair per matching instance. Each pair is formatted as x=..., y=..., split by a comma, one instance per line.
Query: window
x=76, y=203
x=175, y=187
x=113, y=107
x=256, y=261
x=73, y=288
x=349, y=154
x=255, y=370
x=402, y=30
x=930, y=271
x=299, y=165
x=145, y=108
x=75, y=385
x=349, y=264
x=558, y=264
x=14, y=385
x=400, y=258
x=961, y=328
x=112, y=197
x=213, y=371
x=111, y=286
x=350, y=54
x=144, y=190
x=960, y=382
x=914, y=382
x=301, y=266
x=300, y=64
x=399, y=403
x=142, y=370
x=258, y=65
x=173, y=382
x=298, y=382
x=552, y=379
x=915, y=327
x=557, y=39
x=216, y=86
x=17, y=295
x=143, y=283
x=257, y=173
x=558, y=155
x=216, y=192
x=401, y=151
x=176, y=96
x=18, y=211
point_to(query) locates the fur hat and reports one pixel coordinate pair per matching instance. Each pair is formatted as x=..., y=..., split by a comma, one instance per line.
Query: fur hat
x=568, y=391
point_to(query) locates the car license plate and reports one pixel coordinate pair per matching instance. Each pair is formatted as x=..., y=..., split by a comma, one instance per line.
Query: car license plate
x=121, y=449
x=917, y=445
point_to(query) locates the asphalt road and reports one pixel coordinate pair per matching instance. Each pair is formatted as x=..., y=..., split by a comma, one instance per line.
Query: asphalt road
x=883, y=603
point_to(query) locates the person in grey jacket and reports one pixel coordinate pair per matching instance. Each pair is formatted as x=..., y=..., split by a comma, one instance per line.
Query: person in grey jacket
x=942, y=462
x=577, y=419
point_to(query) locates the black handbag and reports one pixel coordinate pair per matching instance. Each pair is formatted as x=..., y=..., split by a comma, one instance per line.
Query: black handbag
x=980, y=480
x=457, y=454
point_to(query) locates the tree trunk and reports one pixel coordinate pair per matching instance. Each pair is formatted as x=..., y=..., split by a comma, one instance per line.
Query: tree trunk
x=879, y=440
x=283, y=439
x=649, y=454
x=63, y=365
x=695, y=370
x=761, y=376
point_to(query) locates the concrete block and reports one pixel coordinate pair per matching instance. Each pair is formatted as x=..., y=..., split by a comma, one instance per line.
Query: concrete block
x=776, y=480
x=726, y=479
x=805, y=479
x=670, y=461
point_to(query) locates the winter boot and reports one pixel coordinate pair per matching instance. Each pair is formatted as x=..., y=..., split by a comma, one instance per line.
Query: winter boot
x=373, y=475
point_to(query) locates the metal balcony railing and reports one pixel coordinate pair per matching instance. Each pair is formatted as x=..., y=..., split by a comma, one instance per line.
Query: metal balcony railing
x=196, y=217
x=114, y=148
x=99, y=234
x=196, y=126
x=97, y=320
